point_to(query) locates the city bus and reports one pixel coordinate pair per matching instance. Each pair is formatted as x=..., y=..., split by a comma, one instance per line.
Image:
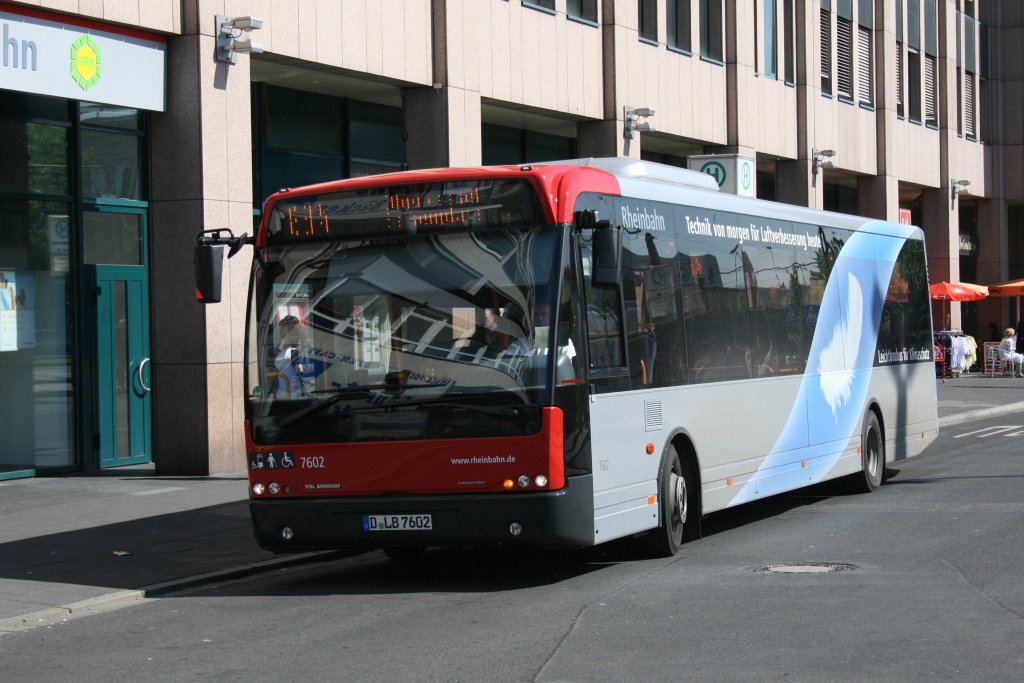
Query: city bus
x=565, y=354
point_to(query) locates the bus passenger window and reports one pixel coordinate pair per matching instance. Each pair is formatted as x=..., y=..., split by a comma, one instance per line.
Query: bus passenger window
x=604, y=327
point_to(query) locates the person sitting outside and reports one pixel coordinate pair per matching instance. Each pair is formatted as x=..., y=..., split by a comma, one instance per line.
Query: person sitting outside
x=1008, y=353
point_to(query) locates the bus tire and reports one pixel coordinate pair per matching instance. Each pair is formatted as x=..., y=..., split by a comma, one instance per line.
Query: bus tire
x=872, y=456
x=675, y=494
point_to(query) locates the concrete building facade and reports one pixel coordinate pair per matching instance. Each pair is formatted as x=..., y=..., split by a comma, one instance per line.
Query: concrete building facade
x=897, y=109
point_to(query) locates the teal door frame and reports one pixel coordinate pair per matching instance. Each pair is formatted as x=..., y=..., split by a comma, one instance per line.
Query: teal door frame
x=123, y=374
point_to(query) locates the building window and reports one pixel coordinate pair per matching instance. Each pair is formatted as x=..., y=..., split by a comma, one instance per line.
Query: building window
x=865, y=53
x=711, y=29
x=825, y=28
x=969, y=105
x=899, y=59
x=844, y=58
x=502, y=145
x=864, y=64
x=969, y=71
x=788, y=42
x=111, y=140
x=931, y=116
x=548, y=5
x=679, y=24
x=914, y=84
x=648, y=19
x=771, y=53
x=301, y=138
x=931, y=27
x=899, y=80
x=582, y=9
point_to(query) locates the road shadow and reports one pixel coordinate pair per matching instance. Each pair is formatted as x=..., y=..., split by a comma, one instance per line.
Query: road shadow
x=178, y=546
x=136, y=553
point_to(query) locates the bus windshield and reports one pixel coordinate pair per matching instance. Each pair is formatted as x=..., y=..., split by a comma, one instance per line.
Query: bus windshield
x=411, y=337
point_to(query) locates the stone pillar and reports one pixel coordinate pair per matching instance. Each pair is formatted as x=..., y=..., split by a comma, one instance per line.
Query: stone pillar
x=878, y=197
x=442, y=123
x=203, y=180
x=605, y=139
x=741, y=111
x=443, y=127
x=941, y=226
x=796, y=183
x=992, y=265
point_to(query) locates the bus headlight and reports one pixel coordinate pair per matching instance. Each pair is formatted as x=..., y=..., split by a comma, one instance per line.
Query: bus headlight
x=523, y=481
x=274, y=488
x=258, y=489
x=540, y=480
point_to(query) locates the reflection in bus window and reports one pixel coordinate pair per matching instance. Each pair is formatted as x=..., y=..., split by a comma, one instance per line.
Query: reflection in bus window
x=604, y=324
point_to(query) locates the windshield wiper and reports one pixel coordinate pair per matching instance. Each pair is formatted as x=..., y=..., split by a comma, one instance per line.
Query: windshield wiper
x=446, y=403
x=342, y=393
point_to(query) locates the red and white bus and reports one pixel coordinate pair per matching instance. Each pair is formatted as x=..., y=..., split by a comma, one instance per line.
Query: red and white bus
x=565, y=353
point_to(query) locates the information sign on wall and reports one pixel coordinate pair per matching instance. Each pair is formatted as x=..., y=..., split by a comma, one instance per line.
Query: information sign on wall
x=49, y=55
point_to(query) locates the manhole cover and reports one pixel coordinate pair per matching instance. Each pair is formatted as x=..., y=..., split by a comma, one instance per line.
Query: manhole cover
x=804, y=568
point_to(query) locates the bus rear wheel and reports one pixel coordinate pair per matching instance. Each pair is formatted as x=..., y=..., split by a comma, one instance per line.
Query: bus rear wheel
x=675, y=493
x=872, y=456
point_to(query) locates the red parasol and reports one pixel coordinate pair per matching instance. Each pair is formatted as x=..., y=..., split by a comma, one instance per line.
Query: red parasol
x=957, y=291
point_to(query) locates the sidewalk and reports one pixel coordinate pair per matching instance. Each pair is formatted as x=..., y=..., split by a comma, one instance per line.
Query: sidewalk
x=86, y=543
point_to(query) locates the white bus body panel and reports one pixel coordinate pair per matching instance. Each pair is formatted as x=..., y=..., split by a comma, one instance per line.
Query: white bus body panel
x=760, y=437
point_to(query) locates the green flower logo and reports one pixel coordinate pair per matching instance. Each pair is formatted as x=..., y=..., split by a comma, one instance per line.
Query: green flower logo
x=85, y=62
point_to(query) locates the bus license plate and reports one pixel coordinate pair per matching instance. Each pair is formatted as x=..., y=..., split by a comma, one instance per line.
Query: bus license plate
x=398, y=523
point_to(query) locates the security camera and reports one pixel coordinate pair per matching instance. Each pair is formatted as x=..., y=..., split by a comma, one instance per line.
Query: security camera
x=244, y=23
x=247, y=47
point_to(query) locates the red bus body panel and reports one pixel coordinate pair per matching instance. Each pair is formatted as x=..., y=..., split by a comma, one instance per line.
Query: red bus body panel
x=411, y=466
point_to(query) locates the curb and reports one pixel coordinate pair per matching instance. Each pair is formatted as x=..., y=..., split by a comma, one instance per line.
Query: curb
x=125, y=598
x=981, y=414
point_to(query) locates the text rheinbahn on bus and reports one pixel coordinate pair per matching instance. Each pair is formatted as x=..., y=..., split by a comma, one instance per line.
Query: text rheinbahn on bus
x=565, y=353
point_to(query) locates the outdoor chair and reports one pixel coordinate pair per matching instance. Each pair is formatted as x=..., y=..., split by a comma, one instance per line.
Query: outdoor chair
x=993, y=361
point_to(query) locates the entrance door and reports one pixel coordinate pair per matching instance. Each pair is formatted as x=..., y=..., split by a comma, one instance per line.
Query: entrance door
x=123, y=372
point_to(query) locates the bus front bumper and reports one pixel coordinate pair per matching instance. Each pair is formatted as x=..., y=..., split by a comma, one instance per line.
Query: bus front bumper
x=564, y=517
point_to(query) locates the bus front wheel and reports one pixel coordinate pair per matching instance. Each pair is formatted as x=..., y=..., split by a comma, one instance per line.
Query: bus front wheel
x=675, y=494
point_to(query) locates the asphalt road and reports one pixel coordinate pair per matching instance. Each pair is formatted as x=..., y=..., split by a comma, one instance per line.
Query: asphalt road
x=929, y=587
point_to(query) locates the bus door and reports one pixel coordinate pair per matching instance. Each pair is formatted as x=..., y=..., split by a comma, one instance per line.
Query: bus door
x=115, y=250
x=624, y=475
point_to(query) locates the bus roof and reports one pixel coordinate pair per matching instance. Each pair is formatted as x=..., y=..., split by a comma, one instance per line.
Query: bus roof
x=560, y=182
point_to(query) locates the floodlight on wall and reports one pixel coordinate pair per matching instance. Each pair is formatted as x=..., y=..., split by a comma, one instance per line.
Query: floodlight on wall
x=957, y=187
x=229, y=32
x=630, y=123
x=822, y=158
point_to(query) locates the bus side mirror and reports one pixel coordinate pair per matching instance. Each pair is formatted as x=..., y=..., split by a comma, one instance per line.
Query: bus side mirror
x=209, y=258
x=209, y=271
x=607, y=247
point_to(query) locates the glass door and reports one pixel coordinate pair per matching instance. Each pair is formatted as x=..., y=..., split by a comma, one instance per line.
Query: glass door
x=115, y=250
